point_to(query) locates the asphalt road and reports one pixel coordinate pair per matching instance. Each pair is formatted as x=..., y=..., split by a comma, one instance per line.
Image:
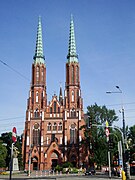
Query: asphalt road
x=59, y=177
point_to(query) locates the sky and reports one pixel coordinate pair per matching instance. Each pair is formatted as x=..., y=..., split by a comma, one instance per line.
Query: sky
x=105, y=42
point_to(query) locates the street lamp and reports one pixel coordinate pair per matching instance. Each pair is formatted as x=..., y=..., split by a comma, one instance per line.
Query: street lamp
x=123, y=120
x=123, y=116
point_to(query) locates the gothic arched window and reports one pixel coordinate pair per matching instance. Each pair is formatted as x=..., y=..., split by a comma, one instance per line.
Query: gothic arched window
x=73, y=113
x=73, y=134
x=55, y=127
x=36, y=113
x=72, y=95
x=77, y=74
x=42, y=74
x=36, y=96
x=60, y=126
x=72, y=74
x=54, y=106
x=49, y=126
x=36, y=134
x=37, y=73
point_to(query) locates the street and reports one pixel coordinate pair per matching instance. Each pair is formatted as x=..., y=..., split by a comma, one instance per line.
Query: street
x=60, y=177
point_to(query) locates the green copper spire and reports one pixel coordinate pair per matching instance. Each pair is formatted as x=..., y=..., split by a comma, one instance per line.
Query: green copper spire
x=39, y=57
x=72, y=55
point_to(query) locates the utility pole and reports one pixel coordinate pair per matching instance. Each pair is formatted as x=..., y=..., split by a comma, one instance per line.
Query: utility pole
x=124, y=131
x=11, y=161
x=109, y=156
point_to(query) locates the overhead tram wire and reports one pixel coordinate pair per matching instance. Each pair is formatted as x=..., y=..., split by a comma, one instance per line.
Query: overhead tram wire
x=5, y=64
x=12, y=118
x=120, y=104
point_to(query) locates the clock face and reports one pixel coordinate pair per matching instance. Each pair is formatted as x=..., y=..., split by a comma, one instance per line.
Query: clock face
x=36, y=126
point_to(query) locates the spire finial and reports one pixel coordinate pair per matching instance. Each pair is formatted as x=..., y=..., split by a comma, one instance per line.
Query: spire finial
x=60, y=95
x=72, y=55
x=39, y=57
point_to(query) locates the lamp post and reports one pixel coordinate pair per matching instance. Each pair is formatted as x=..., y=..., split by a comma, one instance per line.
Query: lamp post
x=123, y=118
x=124, y=132
x=122, y=111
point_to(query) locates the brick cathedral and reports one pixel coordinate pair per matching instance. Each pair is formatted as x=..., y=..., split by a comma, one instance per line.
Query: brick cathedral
x=52, y=132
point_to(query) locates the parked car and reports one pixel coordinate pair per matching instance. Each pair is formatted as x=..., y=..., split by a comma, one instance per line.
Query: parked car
x=90, y=171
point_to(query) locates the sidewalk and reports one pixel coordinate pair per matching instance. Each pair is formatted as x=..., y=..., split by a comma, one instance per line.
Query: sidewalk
x=43, y=175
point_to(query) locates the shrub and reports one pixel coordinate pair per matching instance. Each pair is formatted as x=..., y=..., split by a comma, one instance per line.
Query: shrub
x=3, y=173
x=74, y=170
x=58, y=168
x=67, y=165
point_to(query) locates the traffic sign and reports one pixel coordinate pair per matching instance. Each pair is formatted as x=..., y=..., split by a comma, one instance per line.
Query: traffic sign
x=106, y=124
x=120, y=161
x=107, y=132
x=14, y=134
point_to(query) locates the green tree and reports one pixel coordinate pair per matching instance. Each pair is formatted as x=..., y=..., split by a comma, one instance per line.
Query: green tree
x=131, y=134
x=95, y=137
x=99, y=114
x=3, y=154
x=7, y=139
x=131, y=142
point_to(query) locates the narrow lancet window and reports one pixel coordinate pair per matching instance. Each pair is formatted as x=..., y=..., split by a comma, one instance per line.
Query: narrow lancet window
x=73, y=134
x=77, y=74
x=72, y=75
x=36, y=134
x=54, y=106
x=37, y=97
x=37, y=73
x=49, y=126
x=42, y=74
x=72, y=96
x=55, y=127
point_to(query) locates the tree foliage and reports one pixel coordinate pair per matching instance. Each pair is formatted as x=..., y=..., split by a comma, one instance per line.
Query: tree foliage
x=95, y=137
x=7, y=139
x=100, y=114
x=3, y=154
x=131, y=142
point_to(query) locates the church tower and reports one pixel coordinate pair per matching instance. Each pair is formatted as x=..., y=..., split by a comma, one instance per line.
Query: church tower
x=36, y=105
x=73, y=104
x=72, y=89
x=52, y=132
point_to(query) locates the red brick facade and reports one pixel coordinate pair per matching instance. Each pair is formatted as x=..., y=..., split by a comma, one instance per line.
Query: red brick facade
x=52, y=134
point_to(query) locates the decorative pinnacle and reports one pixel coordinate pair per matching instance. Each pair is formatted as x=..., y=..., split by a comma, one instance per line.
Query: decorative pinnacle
x=72, y=55
x=39, y=57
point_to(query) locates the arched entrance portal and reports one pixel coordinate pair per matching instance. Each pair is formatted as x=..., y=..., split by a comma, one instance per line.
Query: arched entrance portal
x=35, y=163
x=54, y=163
x=54, y=159
x=73, y=160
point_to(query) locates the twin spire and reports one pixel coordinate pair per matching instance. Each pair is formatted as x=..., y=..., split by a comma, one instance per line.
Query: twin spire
x=39, y=56
x=72, y=55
